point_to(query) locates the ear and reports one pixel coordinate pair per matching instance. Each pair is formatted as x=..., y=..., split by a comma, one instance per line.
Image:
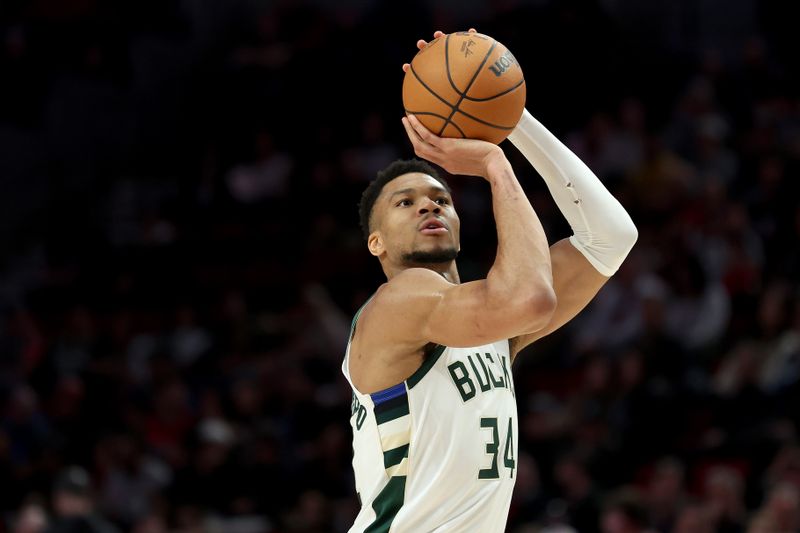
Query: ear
x=375, y=244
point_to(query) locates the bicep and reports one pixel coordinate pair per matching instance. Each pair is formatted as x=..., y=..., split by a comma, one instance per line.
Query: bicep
x=575, y=282
x=465, y=315
x=421, y=307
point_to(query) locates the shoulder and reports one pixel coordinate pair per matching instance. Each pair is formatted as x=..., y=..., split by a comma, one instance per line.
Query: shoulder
x=404, y=301
x=409, y=286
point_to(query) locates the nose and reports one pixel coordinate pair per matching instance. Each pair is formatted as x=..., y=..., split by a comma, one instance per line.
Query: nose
x=429, y=206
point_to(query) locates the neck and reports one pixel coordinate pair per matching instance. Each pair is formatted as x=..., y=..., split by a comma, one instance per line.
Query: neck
x=447, y=270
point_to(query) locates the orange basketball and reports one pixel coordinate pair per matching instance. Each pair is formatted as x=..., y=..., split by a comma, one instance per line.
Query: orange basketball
x=465, y=85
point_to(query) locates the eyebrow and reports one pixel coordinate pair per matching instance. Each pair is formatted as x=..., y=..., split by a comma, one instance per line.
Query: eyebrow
x=412, y=190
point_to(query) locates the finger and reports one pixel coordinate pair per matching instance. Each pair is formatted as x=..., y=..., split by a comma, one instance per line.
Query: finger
x=422, y=43
x=473, y=30
x=421, y=148
x=424, y=133
x=437, y=34
x=412, y=136
x=406, y=66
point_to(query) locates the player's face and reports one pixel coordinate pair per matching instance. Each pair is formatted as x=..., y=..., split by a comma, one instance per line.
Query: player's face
x=416, y=222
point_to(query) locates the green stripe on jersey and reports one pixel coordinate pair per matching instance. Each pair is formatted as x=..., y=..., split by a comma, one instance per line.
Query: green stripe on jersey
x=394, y=413
x=417, y=376
x=355, y=318
x=387, y=504
x=393, y=457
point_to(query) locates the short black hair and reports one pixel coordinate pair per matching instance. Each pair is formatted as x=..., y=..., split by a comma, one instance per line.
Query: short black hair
x=394, y=170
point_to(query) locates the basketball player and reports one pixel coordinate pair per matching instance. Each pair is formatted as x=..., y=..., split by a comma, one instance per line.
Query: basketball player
x=434, y=413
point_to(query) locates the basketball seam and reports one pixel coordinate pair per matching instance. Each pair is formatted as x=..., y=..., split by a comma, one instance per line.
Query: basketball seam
x=437, y=115
x=448, y=104
x=498, y=95
x=414, y=72
x=466, y=90
x=447, y=66
x=476, y=119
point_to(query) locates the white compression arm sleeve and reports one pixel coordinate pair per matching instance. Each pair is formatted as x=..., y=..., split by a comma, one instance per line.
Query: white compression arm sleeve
x=602, y=229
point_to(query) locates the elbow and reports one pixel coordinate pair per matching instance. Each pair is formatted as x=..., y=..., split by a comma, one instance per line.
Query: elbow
x=628, y=235
x=619, y=244
x=524, y=308
x=539, y=307
x=623, y=232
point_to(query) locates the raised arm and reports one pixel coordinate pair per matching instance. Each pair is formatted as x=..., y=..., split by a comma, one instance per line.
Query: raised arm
x=517, y=294
x=603, y=232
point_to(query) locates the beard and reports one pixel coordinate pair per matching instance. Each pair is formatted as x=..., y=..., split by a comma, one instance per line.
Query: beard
x=419, y=257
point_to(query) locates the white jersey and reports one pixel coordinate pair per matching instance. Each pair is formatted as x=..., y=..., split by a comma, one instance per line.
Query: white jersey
x=438, y=451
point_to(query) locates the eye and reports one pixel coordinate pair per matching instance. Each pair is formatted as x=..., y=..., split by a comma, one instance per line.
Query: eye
x=442, y=201
x=405, y=202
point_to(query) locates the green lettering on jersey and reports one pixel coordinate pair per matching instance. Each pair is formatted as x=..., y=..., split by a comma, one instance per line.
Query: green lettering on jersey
x=491, y=449
x=464, y=385
x=359, y=411
x=498, y=383
x=485, y=385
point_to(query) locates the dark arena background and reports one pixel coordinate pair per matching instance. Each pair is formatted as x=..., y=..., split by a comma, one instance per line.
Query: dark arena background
x=180, y=259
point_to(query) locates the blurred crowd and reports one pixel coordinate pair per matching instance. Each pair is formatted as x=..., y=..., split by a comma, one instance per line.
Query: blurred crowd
x=181, y=260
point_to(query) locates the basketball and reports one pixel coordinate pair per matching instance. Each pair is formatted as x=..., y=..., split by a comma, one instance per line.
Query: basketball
x=465, y=85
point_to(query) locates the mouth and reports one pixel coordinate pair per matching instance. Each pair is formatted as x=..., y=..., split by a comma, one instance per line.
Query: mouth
x=433, y=226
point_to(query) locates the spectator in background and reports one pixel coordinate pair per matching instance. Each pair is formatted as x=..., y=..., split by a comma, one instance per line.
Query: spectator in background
x=130, y=478
x=625, y=513
x=780, y=512
x=371, y=154
x=150, y=524
x=266, y=178
x=612, y=148
x=781, y=367
x=765, y=360
x=699, y=308
x=528, y=501
x=724, y=497
x=209, y=481
x=31, y=518
x=577, y=489
x=614, y=318
x=27, y=428
x=694, y=518
x=74, y=505
x=785, y=467
x=665, y=495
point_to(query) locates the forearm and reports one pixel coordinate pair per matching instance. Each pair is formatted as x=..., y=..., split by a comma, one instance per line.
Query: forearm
x=603, y=231
x=522, y=265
